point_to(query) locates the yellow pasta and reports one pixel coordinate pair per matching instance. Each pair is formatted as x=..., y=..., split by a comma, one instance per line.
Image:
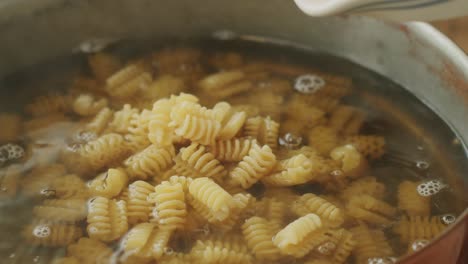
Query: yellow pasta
x=258, y=235
x=365, y=185
x=138, y=205
x=138, y=130
x=330, y=214
x=103, y=65
x=341, y=116
x=109, y=184
x=242, y=201
x=411, y=201
x=232, y=150
x=11, y=127
x=304, y=113
x=369, y=209
x=127, y=81
x=323, y=139
x=51, y=234
x=100, y=121
x=418, y=227
x=369, y=244
x=61, y=210
x=353, y=164
x=105, y=150
x=373, y=147
x=291, y=239
x=265, y=130
x=231, y=121
x=87, y=105
x=149, y=162
x=224, y=84
x=226, y=60
x=293, y=171
x=107, y=219
x=229, y=250
x=138, y=240
x=344, y=247
x=195, y=161
x=169, y=200
x=121, y=119
x=259, y=162
x=47, y=104
x=69, y=186
x=213, y=196
x=87, y=250
x=38, y=182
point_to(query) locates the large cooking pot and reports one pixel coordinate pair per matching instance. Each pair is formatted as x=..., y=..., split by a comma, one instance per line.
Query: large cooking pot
x=414, y=55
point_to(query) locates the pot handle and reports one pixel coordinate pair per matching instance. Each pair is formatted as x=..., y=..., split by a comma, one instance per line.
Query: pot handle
x=396, y=10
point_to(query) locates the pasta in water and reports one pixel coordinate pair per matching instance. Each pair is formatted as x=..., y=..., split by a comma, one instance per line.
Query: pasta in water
x=194, y=156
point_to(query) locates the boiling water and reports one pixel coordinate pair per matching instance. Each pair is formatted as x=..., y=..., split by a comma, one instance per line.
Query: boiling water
x=420, y=146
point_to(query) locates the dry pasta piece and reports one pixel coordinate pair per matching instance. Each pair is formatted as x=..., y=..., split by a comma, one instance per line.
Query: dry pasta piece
x=213, y=196
x=11, y=127
x=195, y=122
x=311, y=203
x=138, y=205
x=150, y=161
x=371, y=146
x=107, y=219
x=127, y=81
x=418, y=227
x=411, y=201
x=47, y=104
x=103, y=151
x=225, y=84
x=291, y=239
x=229, y=250
x=370, y=244
x=100, y=121
x=293, y=171
x=169, y=200
x=353, y=163
x=369, y=209
x=195, y=161
x=231, y=121
x=232, y=150
x=258, y=163
x=121, y=119
x=258, y=234
x=61, y=210
x=365, y=185
x=51, y=234
x=109, y=184
x=164, y=86
x=103, y=65
x=323, y=139
x=87, y=250
x=87, y=105
x=265, y=130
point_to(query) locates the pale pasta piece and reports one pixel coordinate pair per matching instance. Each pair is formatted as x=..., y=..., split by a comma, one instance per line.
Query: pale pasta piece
x=88, y=105
x=149, y=162
x=370, y=244
x=87, y=250
x=51, y=234
x=371, y=146
x=182, y=180
x=411, y=201
x=103, y=65
x=107, y=219
x=213, y=196
x=232, y=150
x=47, y=104
x=195, y=161
x=170, y=206
x=265, y=130
x=305, y=114
x=121, y=119
x=242, y=201
x=293, y=171
x=109, y=184
x=365, y=185
x=105, y=150
x=311, y=203
x=11, y=127
x=418, y=227
x=159, y=131
x=291, y=239
x=61, y=210
x=100, y=121
x=138, y=241
x=229, y=250
x=138, y=205
x=353, y=163
x=371, y=210
x=127, y=81
x=258, y=163
x=231, y=121
x=344, y=246
x=323, y=139
x=225, y=84
x=258, y=235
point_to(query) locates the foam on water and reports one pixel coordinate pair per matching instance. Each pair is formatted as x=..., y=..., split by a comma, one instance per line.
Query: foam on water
x=419, y=244
x=430, y=188
x=308, y=83
x=42, y=231
x=290, y=141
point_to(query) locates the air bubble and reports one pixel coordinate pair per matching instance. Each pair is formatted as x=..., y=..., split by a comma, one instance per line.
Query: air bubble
x=448, y=219
x=326, y=248
x=224, y=35
x=36, y=259
x=168, y=251
x=419, y=244
x=290, y=141
x=94, y=45
x=308, y=83
x=41, y=231
x=422, y=165
x=10, y=152
x=384, y=260
x=430, y=188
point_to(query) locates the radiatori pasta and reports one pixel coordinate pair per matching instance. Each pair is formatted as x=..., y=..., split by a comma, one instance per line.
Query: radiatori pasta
x=173, y=159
